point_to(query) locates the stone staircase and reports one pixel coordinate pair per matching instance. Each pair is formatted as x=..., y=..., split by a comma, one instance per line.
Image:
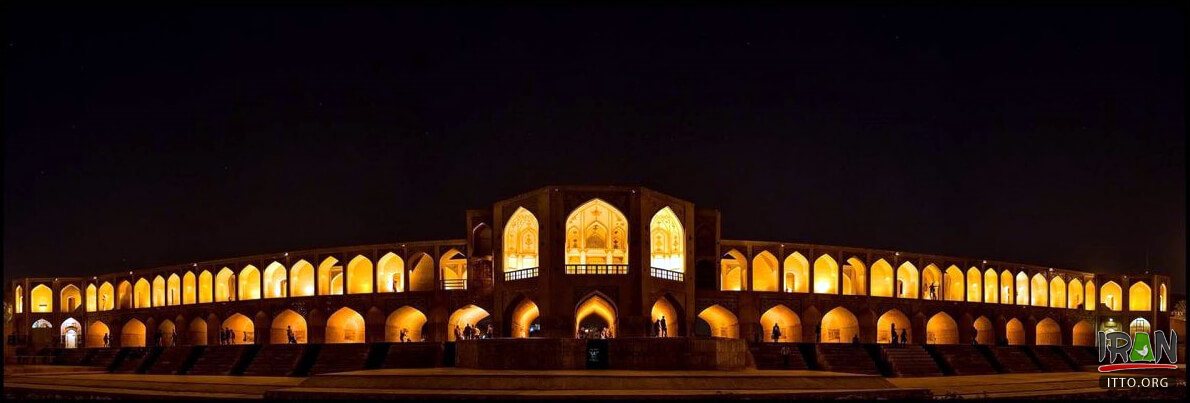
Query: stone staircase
x=910, y=360
x=276, y=360
x=133, y=359
x=840, y=357
x=171, y=360
x=1013, y=359
x=103, y=357
x=412, y=355
x=773, y=356
x=965, y=359
x=72, y=356
x=1082, y=355
x=341, y=358
x=219, y=360
x=1050, y=359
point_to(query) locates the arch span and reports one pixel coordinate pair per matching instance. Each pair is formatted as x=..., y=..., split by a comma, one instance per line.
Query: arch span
x=467, y=315
x=839, y=325
x=285, y=322
x=407, y=319
x=942, y=329
x=721, y=321
x=787, y=324
x=345, y=326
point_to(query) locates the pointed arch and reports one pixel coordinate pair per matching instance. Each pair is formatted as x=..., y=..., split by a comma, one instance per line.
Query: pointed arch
x=1040, y=290
x=1048, y=333
x=125, y=295
x=274, y=281
x=107, y=298
x=407, y=319
x=225, y=285
x=1022, y=288
x=1074, y=296
x=462, y=317
x=984, y=334
x=359, y=275
x=301, y=279
x=663, y=309
x=907, y=281
x=764, y=272
x=668, y=241
x=721, y=321
x=595, y=304
x=173, y=290
x=1092, y=303
x=855, y=280
x=1083, y=334
x=596, y=233
x=132, y=334
x=839, y=325
x=954, y=284
x=243, y=330
x=733, y=271
x=1006, y=294
x=345, y=326
x=883, y=283
x=523, y=316
x=1162, y=298
x=330, y=277
x=95, y=332
x=826, y=275
x=285, y=322
x=974, y=285
x=942, y=329
x=884, y=326
x=158, y=294
x=19, y=299
x=206, y=282
x=69, y=298
x=92, y=298
x=1140, y=297
x=143, y=293
x=454, y=270
x=189, y=288
x=1057, y=292
x=787, y=323
x=1112, y=295
x=249, y=285
x=71, y=333
x=797, y=273
x=197, y=332
x=1014, y=332
x=521, y=241
x=390, y=272
x=931, y=282
x=991, y=294
x=165, y=331
x=421, y=277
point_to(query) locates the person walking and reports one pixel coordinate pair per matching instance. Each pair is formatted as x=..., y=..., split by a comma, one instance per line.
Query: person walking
x=664, y=328
x=107, y=340
x=892, y=334
x=904, y=337
x=776, y=332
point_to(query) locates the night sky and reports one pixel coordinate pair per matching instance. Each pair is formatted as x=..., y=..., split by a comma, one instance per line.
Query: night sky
x=139, y=137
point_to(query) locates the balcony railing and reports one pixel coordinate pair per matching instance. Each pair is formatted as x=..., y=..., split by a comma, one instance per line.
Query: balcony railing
x=454, y=284
x=596, y=269
x=666, y=274
x=520, y=274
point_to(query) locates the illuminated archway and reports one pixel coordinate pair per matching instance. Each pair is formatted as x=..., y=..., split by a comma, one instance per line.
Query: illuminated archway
x=205, y=283
x=274, y=280
x=225, y=285
x=197, y=332
x=1057, y=292
x=520, y=241
x=598, y=307
x=345, y=326
x=942, y=329
x=721, y=321
x=1022, y=288
x=954, y=284
x=1048, y=333
x=132, y=334
x=663, y=309
x=1162, y=298
x=984, y=334
x=764, y=272
x=189, y=288
x=1112, y=294
x=1139, y=325
x=1014, y=332
x=797, y=273
x=467, y=315
x=143, y=294
x=1140, y=297
x=907, y=283
x=826, y=275
x=330, y=277
x=19, y=299
x=166, y=330
x=931, y=282
x=1083, y=334
x=454, y=270
x=92, y=298
x=390, y=272
x=974, y=285
x=991, y=294
x=733, y=271
x=359, y=275
x=421, y=278
x=404, y=318
x=596, y=233
x=1091, y=304
x=523, y=316
x=1006, y=294
x=882, y=279
x=158, y=294
x=786, y=321
x=249, y=283
x=69, y=298
x=95, y=333
x=1040, y=288
x=839, y=326
x=107, y=299
x=244, y=332
x=1075, y=295
x=173, y=290
x=855, y=280
x=124, y=293
x=301, y=279
x=884, y=326
x=71, y=333
x=285, y=322
x=668, y=242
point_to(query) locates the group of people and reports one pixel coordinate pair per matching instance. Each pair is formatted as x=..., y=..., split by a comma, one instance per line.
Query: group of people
x=290, y=337
x=659, y=328
x=173, y=339
x=601, y=333
x=228, y=336
x=904, y=339
x=466, y=333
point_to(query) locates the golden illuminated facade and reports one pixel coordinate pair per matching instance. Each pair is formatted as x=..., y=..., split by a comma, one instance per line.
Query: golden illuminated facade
x=561, y=261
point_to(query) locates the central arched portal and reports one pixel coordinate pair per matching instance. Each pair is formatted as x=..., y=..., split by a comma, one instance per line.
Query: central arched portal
x=524, y=319
x=595, y=318
x=461, y=318
x=664, y=312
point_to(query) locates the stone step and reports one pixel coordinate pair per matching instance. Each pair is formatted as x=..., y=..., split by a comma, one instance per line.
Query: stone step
x=846, y=358
x=1082, y=355
x=133, y=359
x=1051, y=360
x=103, y=357
x=1014, y=360
x=71, y=356
x=778, y=356
x=966, y=359
x=911, y=360
x=170, y=360
x=218, y=360
x=276, y=360
x=412, y=355
x=341, y=358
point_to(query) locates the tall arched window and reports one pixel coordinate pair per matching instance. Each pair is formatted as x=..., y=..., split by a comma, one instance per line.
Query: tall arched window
x=596, y=234
x=520, y=242
x=667, y=243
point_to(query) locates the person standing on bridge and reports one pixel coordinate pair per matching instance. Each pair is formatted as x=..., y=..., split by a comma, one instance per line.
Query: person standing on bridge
x=776, y=332
x=664, y=328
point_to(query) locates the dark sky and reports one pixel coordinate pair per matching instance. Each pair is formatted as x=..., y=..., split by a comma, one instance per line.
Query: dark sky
x=136, y=137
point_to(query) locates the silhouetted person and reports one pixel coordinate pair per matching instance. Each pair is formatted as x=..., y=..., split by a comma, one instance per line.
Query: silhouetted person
x=404, y=333
x=776, y=333
x=933, y=291
x=289, y=335
x=245, y=337
x=468, y=332
x=458, y=333
x=904, y=337
x=107, y=340
x=231, y=336
x=657, y=328
x=893, y=333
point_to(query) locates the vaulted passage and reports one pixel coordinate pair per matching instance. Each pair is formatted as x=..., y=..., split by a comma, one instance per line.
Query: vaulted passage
x=984, y=334
x=594, y=314
x=405, y=319
x=839, y=326
x=885, y=329
x=1048, y=333
x=722, y=322
x=663, y=309
x=345, y=326
x=285, y=324
x=467, y=315
x=243, y=331
x=782, y=322
x=1014, y=332
x=942, y=329
x=523, y=317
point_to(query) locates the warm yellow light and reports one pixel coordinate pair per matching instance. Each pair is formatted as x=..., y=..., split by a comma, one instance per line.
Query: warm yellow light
x=345, y=326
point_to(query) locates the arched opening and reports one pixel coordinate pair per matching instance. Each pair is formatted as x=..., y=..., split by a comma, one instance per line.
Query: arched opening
x=69, y=298
x=1014, y=332
x=991, y=294
x=839, y=325
x=1022, y=289
x=663, y=309
x=1161, y=298
x=942, y=329
x=931, y=282
x=1140, y=297
x=596, y=233
x=668, y=242
x=96, y=333
x=454, y=270
x=301, y=279
x=158, y=291
x=1112, y=295
x=133, y=333
x=173, y=290
x=107, y=299
x=205, y=283
x=390, y=273
x=124, y=293
x=984, y=334
x=345, y=326
x=165, y=334
x=826, y=275
x=974, y=285
x=143, y=294
x=1083, y=334
x=885, y=329
x=882, y=279
x=764, y=272
x=461, y=318
x=721, y=321
x=1091, y=305
x=733, y=269
x=1139, y=325
x=855, y=281
x=249, y=283
x=19, y=299
x=407, y=320
x=359, y=275
x=92, y=298
x=787, y=325
x=225, y=285
x=595, y=317
x=242, y=329
x=189, y=288
x=1057, y=292
x=288, y=328
x=1048, y=333
x=274, y=280
x=523, y=318
x=797, y=273
x=71, y=333
x=330, y=277
x=1006, y=294
x=42, y=324
x=907, y=284
x=481, y=241
x=520, y=241
x=197, y=332
x=954, y=284
x=1040, y=291
x=422, y=276
x=1075, y=295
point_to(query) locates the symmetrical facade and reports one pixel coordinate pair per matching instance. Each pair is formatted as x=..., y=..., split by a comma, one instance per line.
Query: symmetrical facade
x=561, y=261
